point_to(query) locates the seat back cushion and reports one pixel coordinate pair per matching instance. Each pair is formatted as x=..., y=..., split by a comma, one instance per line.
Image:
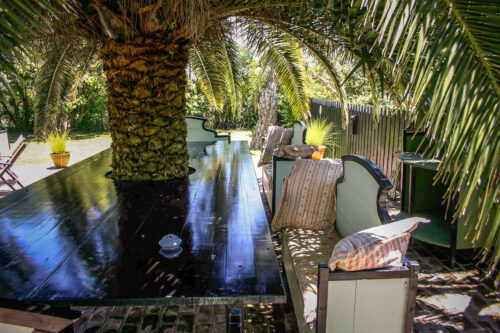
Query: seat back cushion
x=298, y=133
x=295, y=151
x=308, y=196
x=377, y=247
x=276, y=137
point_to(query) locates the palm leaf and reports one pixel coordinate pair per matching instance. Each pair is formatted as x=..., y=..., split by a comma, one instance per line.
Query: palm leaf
x=209, y=71
x=19, y=20
x=448, y=55
x=216, y=65
x=232, y=73
x=64, y=63
x=283, y=56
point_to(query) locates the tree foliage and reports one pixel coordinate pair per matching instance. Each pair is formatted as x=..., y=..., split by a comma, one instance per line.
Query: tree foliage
x=440, y=60
x=446, y=66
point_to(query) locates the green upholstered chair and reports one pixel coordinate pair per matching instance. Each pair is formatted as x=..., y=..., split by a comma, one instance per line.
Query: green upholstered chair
x=196, y=131
x=427, y=200
x=381, y=300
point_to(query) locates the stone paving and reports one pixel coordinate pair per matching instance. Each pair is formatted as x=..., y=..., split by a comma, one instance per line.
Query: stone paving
x=458, y=299
x=187, y=318
x=455, y=299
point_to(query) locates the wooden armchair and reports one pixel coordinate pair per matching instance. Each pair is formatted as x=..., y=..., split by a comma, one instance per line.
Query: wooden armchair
x=273, y=175
x=7, y=161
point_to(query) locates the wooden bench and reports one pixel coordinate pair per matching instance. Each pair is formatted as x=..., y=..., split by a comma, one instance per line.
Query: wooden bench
x=196, y=131
x=380, y=300
x=274, y=174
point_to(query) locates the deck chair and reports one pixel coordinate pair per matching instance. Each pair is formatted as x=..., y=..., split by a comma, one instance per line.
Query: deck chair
x=8, y=161
x=4, y=142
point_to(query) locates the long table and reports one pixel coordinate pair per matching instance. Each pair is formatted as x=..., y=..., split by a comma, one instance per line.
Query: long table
x=79, y=238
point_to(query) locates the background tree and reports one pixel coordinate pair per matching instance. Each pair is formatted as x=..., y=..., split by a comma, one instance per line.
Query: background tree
x=267, y=108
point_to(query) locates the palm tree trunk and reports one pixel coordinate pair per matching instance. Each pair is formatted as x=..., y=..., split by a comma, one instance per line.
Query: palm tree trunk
x=268, y=113
x=146, y=80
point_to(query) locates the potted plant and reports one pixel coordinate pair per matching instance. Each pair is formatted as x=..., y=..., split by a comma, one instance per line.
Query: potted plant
x=320, y=133
x=59, y=155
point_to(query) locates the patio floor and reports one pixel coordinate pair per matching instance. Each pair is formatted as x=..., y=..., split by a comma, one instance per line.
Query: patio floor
x=449, y=299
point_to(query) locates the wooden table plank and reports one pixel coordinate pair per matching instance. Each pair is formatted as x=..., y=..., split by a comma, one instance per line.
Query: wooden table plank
x=96, y=243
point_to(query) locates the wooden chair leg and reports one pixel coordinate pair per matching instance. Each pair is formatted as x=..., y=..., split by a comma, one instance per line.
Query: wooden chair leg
x=15, y=177
x=8, y=184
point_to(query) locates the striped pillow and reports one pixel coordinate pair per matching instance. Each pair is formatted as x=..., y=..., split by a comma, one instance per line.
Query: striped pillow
x=378, y=247
x=276, y=137
x=308, y=199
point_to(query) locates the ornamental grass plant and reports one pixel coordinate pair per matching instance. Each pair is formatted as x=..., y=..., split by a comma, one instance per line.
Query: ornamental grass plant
x=57, y=142
x=321, y=133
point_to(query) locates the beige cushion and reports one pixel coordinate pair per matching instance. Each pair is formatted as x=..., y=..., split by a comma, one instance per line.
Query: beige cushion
x=308, y=199
x=275, y=138
x=295, y=151
x=309, y=248
x=268, y=170
x=377, y=247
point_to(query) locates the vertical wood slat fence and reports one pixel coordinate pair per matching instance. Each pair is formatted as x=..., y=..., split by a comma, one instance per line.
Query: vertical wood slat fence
x=380, y=143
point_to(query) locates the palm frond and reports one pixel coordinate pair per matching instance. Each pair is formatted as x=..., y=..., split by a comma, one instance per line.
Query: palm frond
x=19, y=19
x=216, y=65
x=448, y=56
x=208, y=66
x=63, y=64
x=232, y=73
x=280, y=53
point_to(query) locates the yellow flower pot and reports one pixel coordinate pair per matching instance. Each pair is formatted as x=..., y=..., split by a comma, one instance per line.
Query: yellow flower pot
x=318, y=154
x=60, y=160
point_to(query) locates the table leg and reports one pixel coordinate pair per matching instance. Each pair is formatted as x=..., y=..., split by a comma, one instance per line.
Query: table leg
x=403, y=186
x=453, y=242
x=411, y=191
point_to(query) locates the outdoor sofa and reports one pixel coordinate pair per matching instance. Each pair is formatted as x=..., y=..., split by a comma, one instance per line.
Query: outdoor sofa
x=378, y=300
x=274, y=173
x=196, y=131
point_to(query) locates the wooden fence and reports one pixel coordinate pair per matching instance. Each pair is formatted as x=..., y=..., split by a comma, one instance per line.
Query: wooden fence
x=378, y=142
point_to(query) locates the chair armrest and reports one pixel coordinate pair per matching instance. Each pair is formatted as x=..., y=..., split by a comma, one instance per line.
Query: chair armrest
x=350, y=285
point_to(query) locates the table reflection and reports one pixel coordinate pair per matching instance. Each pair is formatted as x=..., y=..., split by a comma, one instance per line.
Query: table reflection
x=78, y=236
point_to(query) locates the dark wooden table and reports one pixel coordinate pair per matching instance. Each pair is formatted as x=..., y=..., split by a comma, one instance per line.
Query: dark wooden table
x=79, y=238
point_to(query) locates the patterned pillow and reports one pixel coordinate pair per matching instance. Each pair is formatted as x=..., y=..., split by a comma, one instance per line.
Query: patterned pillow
x=308, y=199
x=377, y=247
x=276, y=137
x=294, y=151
